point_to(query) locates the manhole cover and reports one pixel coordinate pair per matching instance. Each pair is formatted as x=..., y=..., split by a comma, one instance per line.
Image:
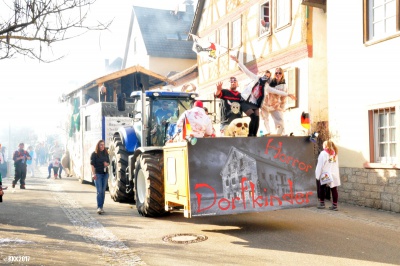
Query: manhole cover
x=184, y=238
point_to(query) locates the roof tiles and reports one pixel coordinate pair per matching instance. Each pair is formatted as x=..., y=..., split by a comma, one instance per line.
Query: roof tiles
x=165, y=33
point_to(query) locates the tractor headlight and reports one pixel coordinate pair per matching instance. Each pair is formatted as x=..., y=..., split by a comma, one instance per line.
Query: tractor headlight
x=192, y=140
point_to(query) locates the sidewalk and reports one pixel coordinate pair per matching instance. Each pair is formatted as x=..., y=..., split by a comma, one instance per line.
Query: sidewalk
x=385, y=219
x=54, y=222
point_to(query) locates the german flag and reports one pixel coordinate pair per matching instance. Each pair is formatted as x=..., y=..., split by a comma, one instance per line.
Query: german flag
x=187, y=128
x=305, y=120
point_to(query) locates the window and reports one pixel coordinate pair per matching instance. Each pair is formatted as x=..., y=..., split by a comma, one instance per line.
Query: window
x=291, y=81
x=265, y=18
x=283, y=13
x=223, y=37
x=381, y=19
x=212, y=37
x=383, y=137
x=236, y=33
x=221, y=9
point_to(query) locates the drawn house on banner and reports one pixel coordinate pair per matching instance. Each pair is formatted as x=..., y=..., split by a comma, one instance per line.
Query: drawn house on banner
x=267, y=176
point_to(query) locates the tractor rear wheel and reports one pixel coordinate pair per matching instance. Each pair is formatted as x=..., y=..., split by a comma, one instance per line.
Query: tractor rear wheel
x=149, y=184
x=118, y=172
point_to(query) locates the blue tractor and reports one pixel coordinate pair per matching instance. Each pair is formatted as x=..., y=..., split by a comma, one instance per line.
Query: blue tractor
x=136, y=151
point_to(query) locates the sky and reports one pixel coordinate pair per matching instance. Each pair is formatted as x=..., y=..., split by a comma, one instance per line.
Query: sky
x=35, y=87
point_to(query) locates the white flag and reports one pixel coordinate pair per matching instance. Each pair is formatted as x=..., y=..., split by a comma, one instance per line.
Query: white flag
x=206, y=49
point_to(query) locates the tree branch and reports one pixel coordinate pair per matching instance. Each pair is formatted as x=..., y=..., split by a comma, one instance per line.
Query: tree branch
x=43, y=22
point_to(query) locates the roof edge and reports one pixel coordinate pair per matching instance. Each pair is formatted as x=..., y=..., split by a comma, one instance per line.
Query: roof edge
x=196, y=20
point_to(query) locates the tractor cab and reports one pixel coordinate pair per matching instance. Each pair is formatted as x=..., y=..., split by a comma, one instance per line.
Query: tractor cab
x=161, y=112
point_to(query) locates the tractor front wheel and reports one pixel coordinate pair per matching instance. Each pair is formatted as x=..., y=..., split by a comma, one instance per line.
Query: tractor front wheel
x=118, y=172
x=149, y=184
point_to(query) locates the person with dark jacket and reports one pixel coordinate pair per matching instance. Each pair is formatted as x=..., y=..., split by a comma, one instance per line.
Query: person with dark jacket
x=100, y=161
x=230, y=103
x=1, y=175
x=20, y=156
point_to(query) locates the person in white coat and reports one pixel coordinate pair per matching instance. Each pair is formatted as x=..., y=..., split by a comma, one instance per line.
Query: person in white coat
x=200, y=123
x=328, y=161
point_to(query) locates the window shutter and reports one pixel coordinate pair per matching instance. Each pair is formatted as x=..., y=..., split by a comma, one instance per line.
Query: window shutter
x=291, y=81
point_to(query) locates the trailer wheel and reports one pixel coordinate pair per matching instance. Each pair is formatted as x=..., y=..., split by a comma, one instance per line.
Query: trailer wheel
x=118, y=178
x=149, y=185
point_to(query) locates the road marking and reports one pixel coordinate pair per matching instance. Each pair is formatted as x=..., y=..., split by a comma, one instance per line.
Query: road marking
x=114, y=250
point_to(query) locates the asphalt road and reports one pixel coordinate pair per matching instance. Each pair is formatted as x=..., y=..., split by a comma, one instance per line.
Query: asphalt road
x=54, y=222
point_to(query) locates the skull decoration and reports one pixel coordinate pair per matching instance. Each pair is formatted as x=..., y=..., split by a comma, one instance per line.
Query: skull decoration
x=239, y=127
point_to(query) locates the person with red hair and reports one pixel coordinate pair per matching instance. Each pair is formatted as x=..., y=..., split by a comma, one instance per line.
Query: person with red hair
x=196, y=121
x=328, y=161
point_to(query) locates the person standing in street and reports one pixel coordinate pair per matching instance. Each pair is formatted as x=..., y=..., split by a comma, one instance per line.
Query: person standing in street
x=1, y=191
x=41, y=154
x=55, y=152
x=100, y=161
x=20, y=157
x=328, y=161
x=3, y=162
x=31, y=163
x=1, y=180
x=2, y=159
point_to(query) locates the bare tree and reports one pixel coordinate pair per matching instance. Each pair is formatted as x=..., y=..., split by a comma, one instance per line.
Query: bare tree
x=29, y=26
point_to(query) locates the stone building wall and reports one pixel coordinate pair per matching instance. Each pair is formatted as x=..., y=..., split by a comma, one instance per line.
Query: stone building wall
x=374, y=188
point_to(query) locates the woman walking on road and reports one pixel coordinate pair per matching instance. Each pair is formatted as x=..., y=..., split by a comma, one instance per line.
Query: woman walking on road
x=328, y=161
x=100, y=161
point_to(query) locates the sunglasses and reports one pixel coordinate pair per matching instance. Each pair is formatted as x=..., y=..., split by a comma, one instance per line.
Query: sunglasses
x=242, y=124
x=278, y=73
